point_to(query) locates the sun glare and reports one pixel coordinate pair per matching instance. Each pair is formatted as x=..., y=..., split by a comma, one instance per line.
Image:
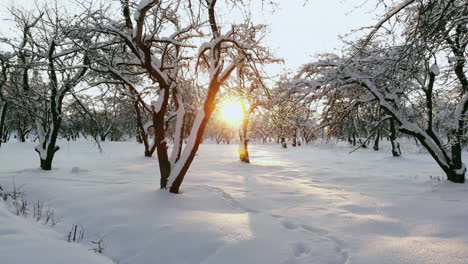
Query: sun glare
x=231, y=112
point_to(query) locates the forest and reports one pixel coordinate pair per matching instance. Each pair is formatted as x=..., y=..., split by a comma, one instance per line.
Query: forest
x=150, y=131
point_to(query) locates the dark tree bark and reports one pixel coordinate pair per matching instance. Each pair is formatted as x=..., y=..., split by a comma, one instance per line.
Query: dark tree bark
x=283, y=142
x=376, y=140
x=48, y=147
x=2, y=122
x=396, y=151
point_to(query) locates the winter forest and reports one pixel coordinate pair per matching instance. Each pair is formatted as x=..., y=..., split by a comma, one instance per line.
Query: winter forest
x=178, y=132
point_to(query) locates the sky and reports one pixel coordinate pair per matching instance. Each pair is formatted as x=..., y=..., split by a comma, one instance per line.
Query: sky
x=299, y=29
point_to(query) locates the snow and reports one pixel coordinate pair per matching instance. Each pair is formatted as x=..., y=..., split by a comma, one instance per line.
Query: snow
x=141, y=5
x=25, y=242
x=435, y=69
x=311, y=204
x=42, y=138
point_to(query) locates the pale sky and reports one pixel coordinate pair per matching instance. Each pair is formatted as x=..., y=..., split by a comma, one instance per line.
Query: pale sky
x=299, y=28
x=299, y=31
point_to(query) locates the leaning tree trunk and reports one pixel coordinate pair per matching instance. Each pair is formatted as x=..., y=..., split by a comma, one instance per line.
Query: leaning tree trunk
x=452, y=166
x=451, y=163
x=181, y=167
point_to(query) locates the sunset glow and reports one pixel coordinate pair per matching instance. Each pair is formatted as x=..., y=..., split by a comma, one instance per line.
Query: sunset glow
x=231, y=112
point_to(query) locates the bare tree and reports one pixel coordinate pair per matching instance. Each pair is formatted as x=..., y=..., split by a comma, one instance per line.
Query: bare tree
x=156, y=43
x=402, y=77
x=51, y=66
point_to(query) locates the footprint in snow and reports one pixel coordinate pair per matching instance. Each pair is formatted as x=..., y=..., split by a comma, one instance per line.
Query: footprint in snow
x=77, y=170
x=289, y=225
x=300, y=248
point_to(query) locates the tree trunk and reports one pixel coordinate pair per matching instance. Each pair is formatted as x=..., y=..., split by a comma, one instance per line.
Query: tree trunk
x=455, y=176
x=142, y=132
x=244, y=151
x=376, y=141
x=455, y=171
x=21, y=136
x=190, y=151
x=283, y=142
x=294, y=141
x=161, y=148
x=2, y=122
x=196, y=136
x=50, y=146
x=396, y=151
x=243, y=148
x=46, y=164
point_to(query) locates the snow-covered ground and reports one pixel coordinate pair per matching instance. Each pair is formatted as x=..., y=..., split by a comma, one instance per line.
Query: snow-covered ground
x=313, y=204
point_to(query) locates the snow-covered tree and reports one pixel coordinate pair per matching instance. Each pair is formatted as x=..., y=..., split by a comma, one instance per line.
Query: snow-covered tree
x=50, y=64
x=156, y=40
x=5, y=65
x=404, y=76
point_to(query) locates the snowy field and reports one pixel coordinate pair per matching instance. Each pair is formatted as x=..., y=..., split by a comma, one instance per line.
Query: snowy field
x=313, y=204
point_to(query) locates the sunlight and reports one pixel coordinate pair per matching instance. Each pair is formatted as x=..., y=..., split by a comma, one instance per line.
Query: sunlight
x=231, y=112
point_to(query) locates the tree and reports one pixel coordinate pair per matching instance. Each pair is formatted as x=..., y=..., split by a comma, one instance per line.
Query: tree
x=252, y=93
x=402, y=77
x=5, y=66
x=158, y=46
x=51, y=65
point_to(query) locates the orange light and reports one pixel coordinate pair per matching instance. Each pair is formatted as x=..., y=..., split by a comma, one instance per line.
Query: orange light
x=231, y=112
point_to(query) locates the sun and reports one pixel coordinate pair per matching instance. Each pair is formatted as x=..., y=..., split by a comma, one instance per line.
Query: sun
x=231, y=112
